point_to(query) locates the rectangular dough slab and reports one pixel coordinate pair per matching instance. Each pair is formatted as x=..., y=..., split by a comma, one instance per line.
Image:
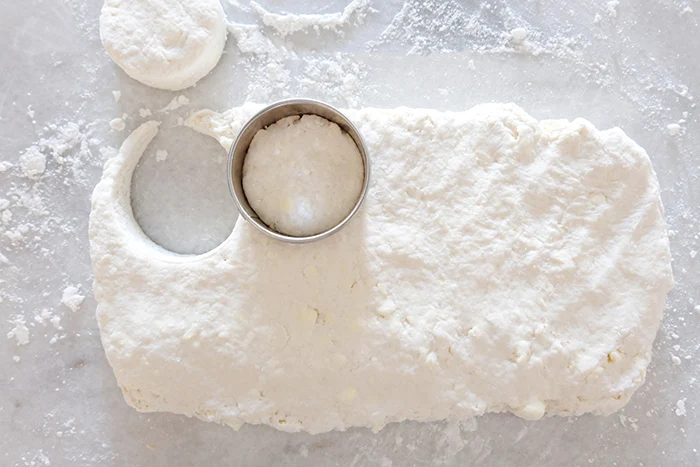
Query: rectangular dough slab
x=498, y=264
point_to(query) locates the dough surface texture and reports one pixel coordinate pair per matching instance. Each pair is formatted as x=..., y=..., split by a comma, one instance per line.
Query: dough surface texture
x=499, y=264
x=166, y=44
x=302, y=175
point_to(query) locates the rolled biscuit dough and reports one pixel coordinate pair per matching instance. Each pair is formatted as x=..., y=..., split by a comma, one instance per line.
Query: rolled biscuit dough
x=499, y=264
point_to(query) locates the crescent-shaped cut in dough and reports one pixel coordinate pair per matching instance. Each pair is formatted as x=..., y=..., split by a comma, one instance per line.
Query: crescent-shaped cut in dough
x=498, y=264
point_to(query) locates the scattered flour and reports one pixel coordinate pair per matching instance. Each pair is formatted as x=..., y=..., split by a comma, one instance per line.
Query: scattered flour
x=338, y=77
x=107, y=152
x=612, y=8
x=72, y=298
x=673, y=129
x=33, y=162
x=30, y=212
x=47, y=317
x=251, y=40
x=56, y=321
x=304, y=450
x=286, y=24
x=680, y=408
x=117, y=124
x=15, y=236
x=161, y=155
x=143, y=113
x=175, y=104
x=437, y=26
x=63, y=138
x=632, y=422
x=519, y=35
x=117, y=95
x=20, y=331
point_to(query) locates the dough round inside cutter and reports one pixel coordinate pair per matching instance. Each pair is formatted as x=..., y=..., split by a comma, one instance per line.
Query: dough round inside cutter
x=263, y=119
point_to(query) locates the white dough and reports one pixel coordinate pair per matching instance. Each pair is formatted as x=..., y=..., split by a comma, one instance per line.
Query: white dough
x=302, y=175
x=166, y=44
x=498, y=264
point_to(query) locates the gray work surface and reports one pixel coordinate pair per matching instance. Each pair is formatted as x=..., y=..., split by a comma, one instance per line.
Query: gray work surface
x=635, y=65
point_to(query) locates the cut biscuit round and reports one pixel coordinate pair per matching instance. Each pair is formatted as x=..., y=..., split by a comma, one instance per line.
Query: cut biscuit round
x=165, y=44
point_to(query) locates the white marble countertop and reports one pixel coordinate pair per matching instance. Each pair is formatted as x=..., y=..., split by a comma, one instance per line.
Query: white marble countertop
x=627, y=64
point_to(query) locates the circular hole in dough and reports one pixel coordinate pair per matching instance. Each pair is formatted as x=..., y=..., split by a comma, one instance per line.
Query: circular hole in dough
x=166, y=44
x=182, y=202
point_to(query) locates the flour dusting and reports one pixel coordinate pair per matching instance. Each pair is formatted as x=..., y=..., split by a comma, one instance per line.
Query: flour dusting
x=286, y=24
x=72, y=298
x=19, y=331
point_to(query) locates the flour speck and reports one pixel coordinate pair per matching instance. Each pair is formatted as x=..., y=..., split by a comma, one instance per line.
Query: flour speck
x=518, y=34
x=117, y=124
x=176, y=103
x=32, y=162
x=20, y=331
x=161, y=155
x=680, y=408
x=72, y=298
